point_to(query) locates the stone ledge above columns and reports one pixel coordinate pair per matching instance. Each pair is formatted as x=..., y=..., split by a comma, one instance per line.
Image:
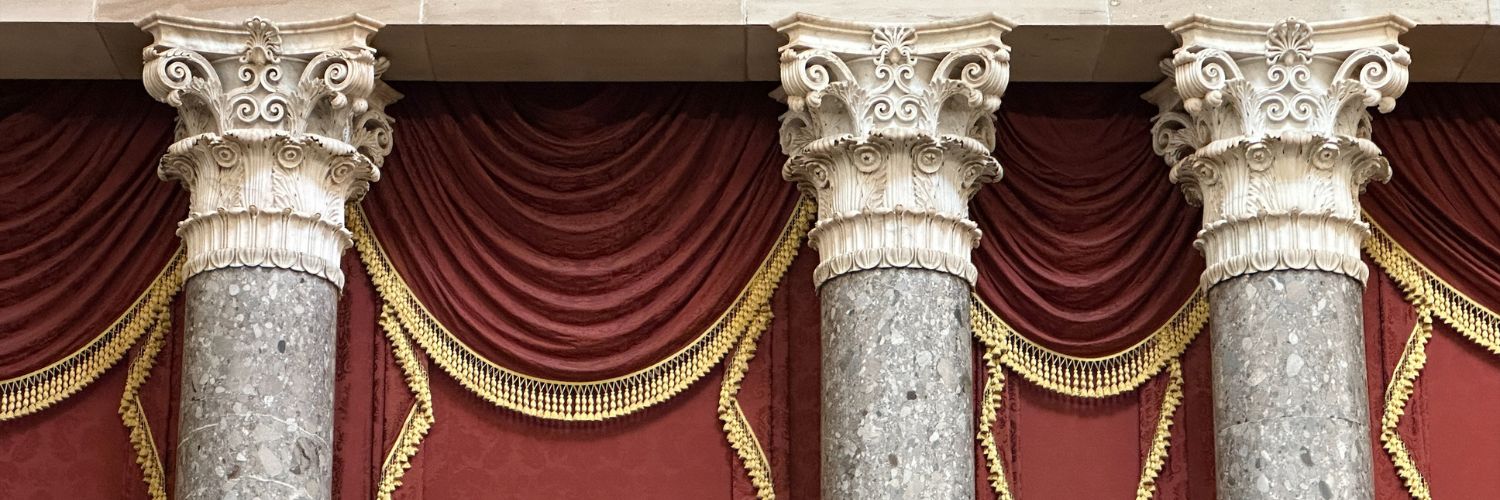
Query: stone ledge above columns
x=889, y=128
x=1266, y=127
x=270, y=159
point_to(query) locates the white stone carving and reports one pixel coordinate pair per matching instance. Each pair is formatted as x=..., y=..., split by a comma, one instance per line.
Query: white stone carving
x=1266, y=127
x=890, y=129
x=272, y=156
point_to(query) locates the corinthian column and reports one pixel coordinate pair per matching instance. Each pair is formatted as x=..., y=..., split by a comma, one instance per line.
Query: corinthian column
x=890, y=129
x=1266, y=127
x=278, y=127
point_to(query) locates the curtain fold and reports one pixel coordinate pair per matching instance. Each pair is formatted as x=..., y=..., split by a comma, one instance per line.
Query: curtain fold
x=83, y=247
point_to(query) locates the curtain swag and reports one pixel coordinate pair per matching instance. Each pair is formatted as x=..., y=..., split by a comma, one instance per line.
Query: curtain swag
x=1086, y=378
x=1431, y=296
x=35, y=391
x=734, y=335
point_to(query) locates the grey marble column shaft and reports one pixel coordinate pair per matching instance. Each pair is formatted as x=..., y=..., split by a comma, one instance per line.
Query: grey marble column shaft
x=1291, y=412
x=257, y=386
x=897, y=386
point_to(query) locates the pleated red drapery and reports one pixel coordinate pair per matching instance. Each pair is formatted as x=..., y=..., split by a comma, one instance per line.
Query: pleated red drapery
x=580, y=232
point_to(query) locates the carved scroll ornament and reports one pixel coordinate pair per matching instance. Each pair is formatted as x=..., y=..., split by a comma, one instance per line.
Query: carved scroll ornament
x=277, y=128
x=1266, y=127
x=890, y=128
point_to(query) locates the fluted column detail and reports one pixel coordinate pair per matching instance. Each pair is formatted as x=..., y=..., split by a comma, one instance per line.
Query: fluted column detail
x=890, y=128
x=1266, y=127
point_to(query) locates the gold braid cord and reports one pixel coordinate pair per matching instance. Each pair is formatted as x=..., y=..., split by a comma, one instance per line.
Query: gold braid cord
x=1085, y=377
x=1431, y=296
x=35, y=391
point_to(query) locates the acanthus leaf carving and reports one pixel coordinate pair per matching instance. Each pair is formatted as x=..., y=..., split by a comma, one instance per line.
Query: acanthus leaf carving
x=1273, y=140
x=270, y=161
x=890, y=128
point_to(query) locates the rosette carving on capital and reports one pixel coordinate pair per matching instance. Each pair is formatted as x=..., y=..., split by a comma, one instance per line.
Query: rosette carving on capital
x=889, y=128
x=278, y=127
x=1268, y=128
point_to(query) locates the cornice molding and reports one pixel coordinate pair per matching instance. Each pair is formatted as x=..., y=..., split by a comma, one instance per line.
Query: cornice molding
x=1267, y=127
x=889, y=128
x=271, y=159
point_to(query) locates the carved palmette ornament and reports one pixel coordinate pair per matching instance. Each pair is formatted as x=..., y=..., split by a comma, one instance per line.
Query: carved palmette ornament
x=1267, y=127
x=278, y=127
x=890, y=129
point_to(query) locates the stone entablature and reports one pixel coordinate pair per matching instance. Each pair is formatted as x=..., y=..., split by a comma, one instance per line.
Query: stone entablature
x=890, y=128
x=271, y=158
x=1267, y=127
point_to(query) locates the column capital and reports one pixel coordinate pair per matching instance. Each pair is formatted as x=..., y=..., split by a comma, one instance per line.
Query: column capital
x=890, y=128
x=278, y=127
x=1266, y=126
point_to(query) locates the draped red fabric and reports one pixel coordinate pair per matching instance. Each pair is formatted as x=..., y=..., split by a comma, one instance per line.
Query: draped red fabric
x=1443, y=206
x=82, y=214
x=1087, y=247
x=504, y=196
x=577, y=231
x=1443, y=201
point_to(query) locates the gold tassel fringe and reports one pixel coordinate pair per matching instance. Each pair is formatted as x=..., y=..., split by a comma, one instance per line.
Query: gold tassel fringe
x=132, y=412
x=35, y=391
x=1476, y=322
x=1092, y=377
x=989, y=412
x=736, y=426
x=419, y=419
x=1397, y=394
x=1085, y=377
x=1157, y=458
x=578, y=401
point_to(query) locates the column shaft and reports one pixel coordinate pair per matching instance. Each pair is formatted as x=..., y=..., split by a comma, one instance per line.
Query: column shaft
x=257, y=385
x=1291, y=412
x=898, y=399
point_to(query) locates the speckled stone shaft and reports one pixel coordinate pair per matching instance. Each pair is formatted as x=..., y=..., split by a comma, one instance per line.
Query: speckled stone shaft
x=897, y=391
x=1291, y=416
x=257, y=386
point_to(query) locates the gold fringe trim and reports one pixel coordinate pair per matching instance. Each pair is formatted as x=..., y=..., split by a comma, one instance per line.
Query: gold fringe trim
x=1085, y=377
x=989, y=413
x=419, y=419
x=1474, y=321
x=1092, y=377
x=132, y=412
x=1161, y=440
x=737, y=427
x=35, y=391
x=579, y=401
x=1431, y=296
x=1397, y=394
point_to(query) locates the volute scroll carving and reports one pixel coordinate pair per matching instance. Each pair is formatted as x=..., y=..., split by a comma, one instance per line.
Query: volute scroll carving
x=278, y=127
x=890, y=127
x=1267, y=127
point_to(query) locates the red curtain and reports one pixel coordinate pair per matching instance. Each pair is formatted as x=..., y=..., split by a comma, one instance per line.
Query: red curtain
x=577, y=231
x=510, y=181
